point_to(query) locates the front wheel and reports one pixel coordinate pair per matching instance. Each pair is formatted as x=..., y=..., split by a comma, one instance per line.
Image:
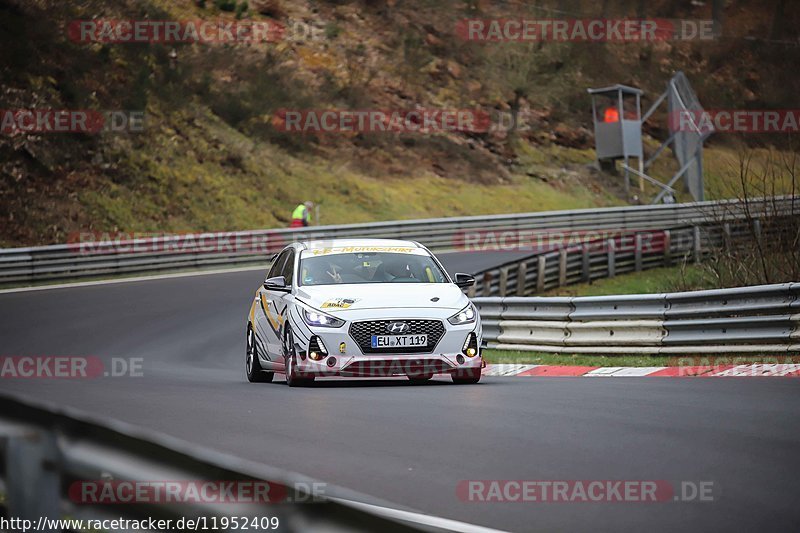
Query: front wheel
x=468, y=376
x=293, y=376
x=255, y=374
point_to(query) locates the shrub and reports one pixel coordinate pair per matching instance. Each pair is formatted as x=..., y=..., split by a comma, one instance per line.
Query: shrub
x=226, y=5
x=241, y=9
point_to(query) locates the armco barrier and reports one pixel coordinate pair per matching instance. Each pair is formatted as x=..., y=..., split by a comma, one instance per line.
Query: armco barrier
x=543, y=270
x=46, y=449
x=19, y=266
x=762, y=318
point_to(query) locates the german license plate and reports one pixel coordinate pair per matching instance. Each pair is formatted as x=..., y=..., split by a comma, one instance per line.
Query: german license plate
x=399, y=341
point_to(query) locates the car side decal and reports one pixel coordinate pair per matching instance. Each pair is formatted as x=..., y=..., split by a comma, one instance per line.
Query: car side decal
x=298, y=334
x=253, y=310
x=275, y=322
x=298, y=327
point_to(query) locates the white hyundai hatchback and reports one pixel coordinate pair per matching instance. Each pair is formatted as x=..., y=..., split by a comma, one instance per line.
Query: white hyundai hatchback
x=362, y=308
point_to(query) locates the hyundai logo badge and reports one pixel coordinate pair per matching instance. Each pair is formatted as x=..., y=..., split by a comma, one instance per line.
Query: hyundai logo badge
x=397, y=327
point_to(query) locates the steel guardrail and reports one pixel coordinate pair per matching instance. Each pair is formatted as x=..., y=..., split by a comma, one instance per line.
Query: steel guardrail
x=19, y=266
x=547, y=269
x=756, y=319
x=48, y=451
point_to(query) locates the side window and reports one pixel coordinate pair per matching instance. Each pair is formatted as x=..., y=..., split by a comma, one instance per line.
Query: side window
x=288, y=269
x=277, y=266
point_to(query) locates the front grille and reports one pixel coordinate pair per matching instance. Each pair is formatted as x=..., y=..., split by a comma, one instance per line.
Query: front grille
x=362, y=333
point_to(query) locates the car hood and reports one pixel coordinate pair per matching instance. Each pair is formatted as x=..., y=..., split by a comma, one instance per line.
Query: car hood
x=350, y=298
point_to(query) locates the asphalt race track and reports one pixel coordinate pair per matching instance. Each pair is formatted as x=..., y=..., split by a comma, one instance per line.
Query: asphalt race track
x=412, y=444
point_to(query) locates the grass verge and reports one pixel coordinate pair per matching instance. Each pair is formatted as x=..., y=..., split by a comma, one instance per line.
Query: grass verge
x=657, y=280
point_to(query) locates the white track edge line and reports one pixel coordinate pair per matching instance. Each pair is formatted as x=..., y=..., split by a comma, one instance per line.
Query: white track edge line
x=419, y=518
x=132, y=279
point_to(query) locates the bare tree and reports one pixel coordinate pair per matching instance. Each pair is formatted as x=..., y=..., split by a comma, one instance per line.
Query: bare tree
x=761, y=244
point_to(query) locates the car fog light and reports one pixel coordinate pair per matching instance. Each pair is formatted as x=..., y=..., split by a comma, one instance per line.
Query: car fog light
x=460, y=359
x=470, y=347
x=316, y=349
x=332, y=361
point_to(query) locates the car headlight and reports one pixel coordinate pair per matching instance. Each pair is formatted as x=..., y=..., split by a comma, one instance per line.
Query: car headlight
x=465, y=316
x=320, y=319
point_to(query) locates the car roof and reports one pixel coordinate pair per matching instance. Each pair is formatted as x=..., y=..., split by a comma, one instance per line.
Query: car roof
x=342, y=243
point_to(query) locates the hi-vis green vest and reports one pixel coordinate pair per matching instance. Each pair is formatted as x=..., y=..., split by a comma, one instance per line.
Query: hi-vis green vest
x=301, y=213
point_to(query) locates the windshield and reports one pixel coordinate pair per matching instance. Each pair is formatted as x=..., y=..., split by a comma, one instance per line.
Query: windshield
x=369, y=267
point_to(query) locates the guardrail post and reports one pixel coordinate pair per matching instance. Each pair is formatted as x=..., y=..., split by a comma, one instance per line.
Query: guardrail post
x=503, y=280
x=637, y=252
x=611, y=251
x=522, y=274
x=696, y=244
x=487, y=283
x=541, y=270
x=586, y=274
x=757, y=229
x=667, y=248
x=726, y=236
x=33, y=475
x=471, y=292
x=562, y=267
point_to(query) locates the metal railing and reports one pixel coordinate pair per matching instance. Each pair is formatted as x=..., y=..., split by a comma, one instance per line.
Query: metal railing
x=622, y=253
x=19, y=266
x=756, y=319
x=47, y=452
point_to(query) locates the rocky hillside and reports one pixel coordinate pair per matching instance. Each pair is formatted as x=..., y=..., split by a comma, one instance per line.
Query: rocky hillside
x=214, y=154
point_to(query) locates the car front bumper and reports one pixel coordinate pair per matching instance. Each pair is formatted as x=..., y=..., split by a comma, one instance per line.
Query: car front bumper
x=345, y=358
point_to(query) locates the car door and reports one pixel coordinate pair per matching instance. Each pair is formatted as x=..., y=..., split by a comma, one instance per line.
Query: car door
x=275, y=307
x=269, y=326
x=282, y=300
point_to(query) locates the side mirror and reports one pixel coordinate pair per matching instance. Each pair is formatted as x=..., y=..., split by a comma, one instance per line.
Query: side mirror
x=464, y=280
x=278, y=283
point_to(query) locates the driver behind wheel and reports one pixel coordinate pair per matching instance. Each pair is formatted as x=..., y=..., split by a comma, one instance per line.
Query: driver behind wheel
x=398, y=271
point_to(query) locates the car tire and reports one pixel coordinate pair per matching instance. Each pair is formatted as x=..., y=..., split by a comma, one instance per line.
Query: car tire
x=293, y=377
x=419, y=378
x=468, y=376
x=255, y=374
